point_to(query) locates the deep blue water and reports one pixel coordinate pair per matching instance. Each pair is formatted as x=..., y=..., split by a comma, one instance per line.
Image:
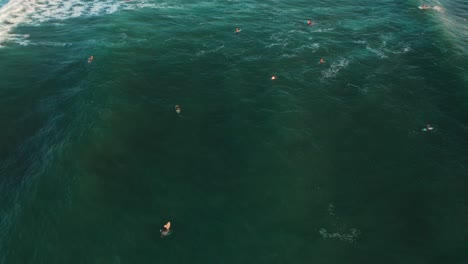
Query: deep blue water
x=328, y=163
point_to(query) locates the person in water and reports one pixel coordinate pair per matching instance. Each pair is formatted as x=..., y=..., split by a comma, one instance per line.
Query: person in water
x=165, y=230
x=273, y=77
x=237, y=30
x=177, y=109
x=309, y=23
x=91, y=58
x=428, y=128
x=322, y=61
x=425, y=6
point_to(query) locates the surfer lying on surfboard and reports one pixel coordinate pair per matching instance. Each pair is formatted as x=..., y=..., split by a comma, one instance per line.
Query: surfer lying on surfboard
x=428, y=128
x=165, y=231
x=424, y=7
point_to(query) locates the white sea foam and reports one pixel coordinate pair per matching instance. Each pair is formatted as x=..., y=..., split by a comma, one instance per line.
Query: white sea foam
x=399, y=50
x=349, y=236
x=278, y=39
x=360, y=41
x=207, y=50
x=324, y=29
x=406, y=49
x=150, y=4
x=377, y=52
x=331, y=209
x=34, y=12
x=438, y=9
x=335, y=67
x=453, y=17
x=341, y=231
x=313, y=47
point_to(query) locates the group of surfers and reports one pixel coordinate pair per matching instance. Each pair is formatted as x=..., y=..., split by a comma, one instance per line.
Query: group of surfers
x=166, y=229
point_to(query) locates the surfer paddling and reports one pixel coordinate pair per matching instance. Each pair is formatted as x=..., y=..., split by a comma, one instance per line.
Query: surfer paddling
x=165, y=231
x=428, y=128
x=424, y=6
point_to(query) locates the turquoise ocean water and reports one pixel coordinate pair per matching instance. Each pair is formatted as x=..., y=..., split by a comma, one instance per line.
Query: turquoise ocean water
x=326, y=164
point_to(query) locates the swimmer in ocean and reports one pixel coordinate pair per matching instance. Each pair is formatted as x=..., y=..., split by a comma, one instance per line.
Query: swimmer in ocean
x=165, y=231
x=91, y=58
x=322, y=61
x=425, y=7
x=237, y=30
x=309, y=23
x=273, y=77
x=177, y=109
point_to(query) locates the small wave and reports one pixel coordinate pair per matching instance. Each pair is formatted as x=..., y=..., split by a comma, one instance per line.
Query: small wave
x=203, y=52
x=401, y=50
x=335, y=68
x=301, y=50
x=309, y=47
x=324, y=30
x=350, y=236
x=342, y=232
x=360, y=41
x=380, y=51
x=27, y=42
x=54, y=44
x=377, y=52
x=279, y=39
x=452, y=16
x=151, y=4
x=331, y=209
x=39, y=151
